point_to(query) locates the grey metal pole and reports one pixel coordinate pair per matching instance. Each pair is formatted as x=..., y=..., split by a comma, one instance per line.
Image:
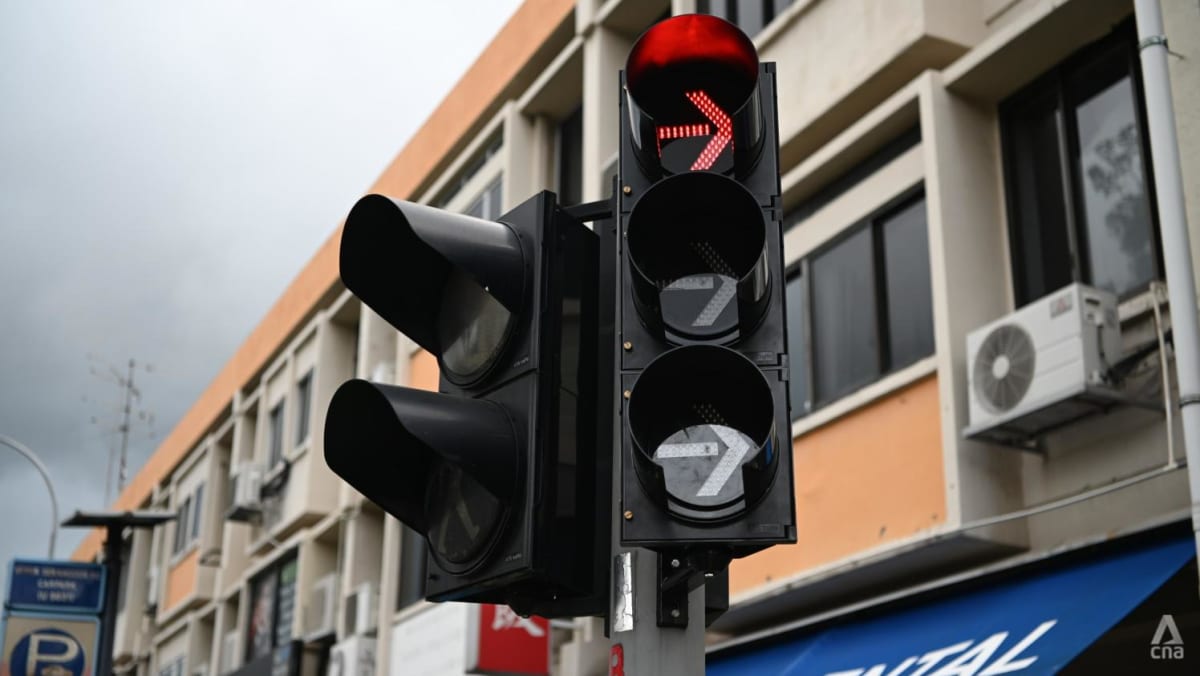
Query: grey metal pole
x=108, y=619
x=638, y=645
x=1177, y=252
x=32, y=457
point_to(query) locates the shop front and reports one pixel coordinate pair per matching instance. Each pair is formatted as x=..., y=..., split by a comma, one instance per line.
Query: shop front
x=1128, y=606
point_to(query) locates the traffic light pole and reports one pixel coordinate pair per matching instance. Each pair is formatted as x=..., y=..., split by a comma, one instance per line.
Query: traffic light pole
x=639, y=645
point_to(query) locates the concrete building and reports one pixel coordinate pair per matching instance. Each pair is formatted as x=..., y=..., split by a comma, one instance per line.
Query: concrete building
x=945, y=163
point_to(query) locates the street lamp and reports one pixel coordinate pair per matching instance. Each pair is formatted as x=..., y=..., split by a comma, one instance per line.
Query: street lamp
x=25, y=451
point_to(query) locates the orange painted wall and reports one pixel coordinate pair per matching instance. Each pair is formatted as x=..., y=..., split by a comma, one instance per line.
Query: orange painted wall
x=181, y=580
x=470, y=103
x=423, y=371
x=872, y=476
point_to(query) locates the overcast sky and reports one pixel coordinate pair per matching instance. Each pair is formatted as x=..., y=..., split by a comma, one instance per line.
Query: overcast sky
x=166, y=168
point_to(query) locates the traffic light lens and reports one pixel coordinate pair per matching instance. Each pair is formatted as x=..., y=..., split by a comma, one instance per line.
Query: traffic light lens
x=691, y=75
x=697, y=246
x=702, y=422
x=465, y=518
x=700, y=463
x=686, y=54
x=473, y=328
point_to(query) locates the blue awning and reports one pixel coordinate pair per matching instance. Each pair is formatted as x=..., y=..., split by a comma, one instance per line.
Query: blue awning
x=1034, y=624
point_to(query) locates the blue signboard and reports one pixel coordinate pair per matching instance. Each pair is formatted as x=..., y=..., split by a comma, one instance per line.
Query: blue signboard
x=38, y=644
x=56, y=586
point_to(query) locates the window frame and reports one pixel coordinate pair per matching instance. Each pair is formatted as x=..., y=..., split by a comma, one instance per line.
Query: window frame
x=1055, y=82
x=197, y=499
x=802, y=267
x=181, y=536
x=769, y=14
x=275, y=432
x=560, y=165
x=304, y=391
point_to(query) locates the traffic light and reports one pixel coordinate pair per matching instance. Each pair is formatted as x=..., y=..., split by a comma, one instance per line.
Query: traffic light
x=499, y=469
x=706, y=453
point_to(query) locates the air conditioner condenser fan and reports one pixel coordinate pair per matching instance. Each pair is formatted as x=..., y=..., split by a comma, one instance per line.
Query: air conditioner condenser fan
x=1004, y=367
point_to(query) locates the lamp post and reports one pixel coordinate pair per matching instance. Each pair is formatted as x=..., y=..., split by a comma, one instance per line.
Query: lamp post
x=32, y=457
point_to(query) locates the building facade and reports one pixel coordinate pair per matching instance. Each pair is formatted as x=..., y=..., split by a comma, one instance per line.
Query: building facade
x=944, y=164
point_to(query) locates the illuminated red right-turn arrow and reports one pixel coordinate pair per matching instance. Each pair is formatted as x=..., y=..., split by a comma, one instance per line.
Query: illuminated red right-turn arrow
x=720, y=138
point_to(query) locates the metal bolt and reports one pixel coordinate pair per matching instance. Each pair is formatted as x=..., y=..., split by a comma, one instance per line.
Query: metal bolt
x=627, y=345
x=675, y=613
x=674, y=563
x=627, y=394
x=627, y=190
x=628, y=515
x=708, y=575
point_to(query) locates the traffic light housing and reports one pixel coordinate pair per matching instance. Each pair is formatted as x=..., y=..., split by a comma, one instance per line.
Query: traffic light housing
x=705, y=450
x=499, y=469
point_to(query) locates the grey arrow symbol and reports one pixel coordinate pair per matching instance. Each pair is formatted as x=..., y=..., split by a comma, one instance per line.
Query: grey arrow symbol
x=731, y=460
x=688, y=450
x=716, y=305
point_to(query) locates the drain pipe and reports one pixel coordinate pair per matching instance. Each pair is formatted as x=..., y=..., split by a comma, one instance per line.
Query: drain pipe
x=1177, y=252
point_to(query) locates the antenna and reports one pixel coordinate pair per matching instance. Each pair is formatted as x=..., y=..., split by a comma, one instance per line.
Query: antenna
x=130, y=412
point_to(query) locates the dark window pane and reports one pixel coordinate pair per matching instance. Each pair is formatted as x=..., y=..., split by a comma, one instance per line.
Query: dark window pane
x=1042, y=253
x=180, y=521
x=845, y=339
x=1116, y=210
x=798, y=345
x=197, y=511
x=852, y=177
x=726, y=9
x=493, y=199
x=777, y=8
x=909, y=291
x=303, y=404
x=412, y=568
x=570, y=158
x=477, y=208
x=275, y=431
x=751, y=17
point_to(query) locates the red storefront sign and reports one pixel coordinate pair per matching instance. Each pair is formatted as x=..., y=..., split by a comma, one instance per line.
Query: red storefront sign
x=501, y=642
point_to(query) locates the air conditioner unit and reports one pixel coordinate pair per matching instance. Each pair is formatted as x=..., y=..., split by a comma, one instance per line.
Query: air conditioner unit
x=354, y=656
x=229, y=652
x=361, y=610
x=319, y=615
x=1043, y=366
x=247, y=493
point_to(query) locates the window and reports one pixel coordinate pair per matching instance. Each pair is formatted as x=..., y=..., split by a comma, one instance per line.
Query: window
x=860, y=307
x=275, y=435
x=273, y=599
x=187, y=520
x=1077, y=183
x=448, y=194
x=570, y=158
x=172, y=668
x=487, y=205
x=303, y=405
x=412, y=568
x=852, y=177
x=197, y=512
x=749, y=15
x=182, y=526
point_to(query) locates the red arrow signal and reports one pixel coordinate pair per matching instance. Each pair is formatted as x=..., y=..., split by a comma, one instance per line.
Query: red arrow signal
x=722, y=137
